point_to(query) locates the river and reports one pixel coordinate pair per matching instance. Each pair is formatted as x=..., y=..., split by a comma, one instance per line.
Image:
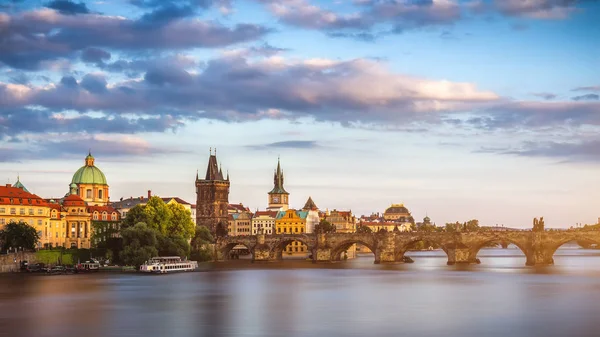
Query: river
x=499, y=297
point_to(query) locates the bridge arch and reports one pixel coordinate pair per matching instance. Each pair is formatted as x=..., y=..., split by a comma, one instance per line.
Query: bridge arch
x=551, y=250
x=336, y=252
x=403, y=246
x=474, y=249
x=279, y=246
x=227, y=250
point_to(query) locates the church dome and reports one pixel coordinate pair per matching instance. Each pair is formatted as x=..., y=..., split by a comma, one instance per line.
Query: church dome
x=397, y=209
x=89, y=173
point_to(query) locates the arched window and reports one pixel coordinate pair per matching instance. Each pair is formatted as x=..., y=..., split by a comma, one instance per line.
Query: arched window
x=88, y=193
x=95, y=216
x=104, y=216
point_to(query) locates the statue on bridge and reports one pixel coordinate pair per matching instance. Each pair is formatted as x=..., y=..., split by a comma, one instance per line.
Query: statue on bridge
x=538, y=226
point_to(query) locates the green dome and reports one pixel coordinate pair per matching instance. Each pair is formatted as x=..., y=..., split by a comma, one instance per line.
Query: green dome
x=89, y=174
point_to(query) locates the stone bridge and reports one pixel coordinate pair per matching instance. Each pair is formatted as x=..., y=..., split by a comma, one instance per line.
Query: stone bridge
x=460, y=247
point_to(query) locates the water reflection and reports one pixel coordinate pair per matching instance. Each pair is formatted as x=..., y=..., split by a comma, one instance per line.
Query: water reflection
x=499, y=297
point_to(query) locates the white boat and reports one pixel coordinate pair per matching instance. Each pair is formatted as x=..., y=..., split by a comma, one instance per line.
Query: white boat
x=168, y=264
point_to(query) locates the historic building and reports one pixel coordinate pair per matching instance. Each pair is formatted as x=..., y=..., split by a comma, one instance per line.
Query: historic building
x=263, y=222
x=91, y=183
x=398, y=213
x=78, y=219
x=212, y=197
x=123, y=206
x=240, y=223
x=312, y=216
x=106, y=224
x=18, y=205
x=292, y=221
x=343, y=221
x=56, y=232
x=278, y=196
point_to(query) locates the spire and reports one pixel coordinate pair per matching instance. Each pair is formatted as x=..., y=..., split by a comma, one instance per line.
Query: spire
x=227, y=175
x=310, y=205
x=212, y=171
x=278, y=180
x=220, y=169
x=196, y=174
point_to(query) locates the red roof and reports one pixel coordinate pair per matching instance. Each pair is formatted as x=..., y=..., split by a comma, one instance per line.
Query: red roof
x=238, y=207
x=100, y=209
x=54, y=206
x=73, y=200
x=19, y=197
x=272, y=214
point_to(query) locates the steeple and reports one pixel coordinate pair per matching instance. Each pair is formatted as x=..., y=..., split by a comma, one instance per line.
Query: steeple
x=19, y=184
x=310, y=205
x=278, y=180
x=89, y=160
x=212, y=171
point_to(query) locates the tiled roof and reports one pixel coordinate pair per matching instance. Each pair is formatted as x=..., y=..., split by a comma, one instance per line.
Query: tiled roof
x=310, y=205
x=100, y=209
x=238, y=207
x=73, y=200
x=272, y=214
x=19, y=197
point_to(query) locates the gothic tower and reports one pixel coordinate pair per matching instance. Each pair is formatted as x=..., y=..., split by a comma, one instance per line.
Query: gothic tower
x=278, y=197
x=212, y=197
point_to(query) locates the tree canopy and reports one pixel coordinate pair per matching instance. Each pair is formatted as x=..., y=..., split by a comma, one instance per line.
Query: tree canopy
x=469, y=226
x=170, y=220
x=363, y=229
x=201, y=244
x=18, y=235
x=139, y=244
x=324, y=226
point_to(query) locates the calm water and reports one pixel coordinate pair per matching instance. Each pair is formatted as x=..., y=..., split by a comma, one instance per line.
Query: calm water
x=500, y=297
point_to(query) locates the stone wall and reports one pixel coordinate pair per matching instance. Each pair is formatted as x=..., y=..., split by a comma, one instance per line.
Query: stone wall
x=8, y=264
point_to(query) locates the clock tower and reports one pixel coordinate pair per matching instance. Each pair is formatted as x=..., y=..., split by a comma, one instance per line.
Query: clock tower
x=278, y=197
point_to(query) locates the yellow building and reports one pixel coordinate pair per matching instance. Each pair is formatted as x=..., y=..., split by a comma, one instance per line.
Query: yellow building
x=78, y=222
x=18, y=205
x=292, y=221
x=56, y=231
x=91, y=183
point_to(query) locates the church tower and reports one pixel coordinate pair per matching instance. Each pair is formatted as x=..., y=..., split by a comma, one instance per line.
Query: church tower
x=278, y=197
x=212, y=197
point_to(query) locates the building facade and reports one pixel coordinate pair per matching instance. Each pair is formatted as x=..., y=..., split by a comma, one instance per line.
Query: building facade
x=263, y=222
x=106, y=224
x=242, y=223
x=212, y=197
x=292, y=221
x=18, y=205
x=312, y=216
x=278, y=196
x=343, y=221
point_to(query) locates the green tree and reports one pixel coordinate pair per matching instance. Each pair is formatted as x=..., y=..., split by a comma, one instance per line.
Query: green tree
x=18, y=234
x=202, y=245
x=171, y=220
x=363, y=229
x=324, y=226
x=139, y=244
x=172, y=246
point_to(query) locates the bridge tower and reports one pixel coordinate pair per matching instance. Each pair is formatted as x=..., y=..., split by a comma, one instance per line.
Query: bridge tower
x=212, y=196
x=278, y=196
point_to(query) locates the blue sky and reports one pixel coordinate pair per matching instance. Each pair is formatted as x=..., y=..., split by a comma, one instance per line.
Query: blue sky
x=459, y=109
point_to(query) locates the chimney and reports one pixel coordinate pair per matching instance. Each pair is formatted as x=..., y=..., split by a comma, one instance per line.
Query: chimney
x=8, y=185
x=149, y=194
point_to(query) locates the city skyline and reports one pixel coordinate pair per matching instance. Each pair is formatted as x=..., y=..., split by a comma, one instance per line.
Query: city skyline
x=458, y=109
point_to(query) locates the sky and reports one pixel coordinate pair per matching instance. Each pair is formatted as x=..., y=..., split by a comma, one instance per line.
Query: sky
x=485, y=109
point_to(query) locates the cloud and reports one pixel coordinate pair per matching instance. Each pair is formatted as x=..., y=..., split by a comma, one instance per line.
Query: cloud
x=579, y=151
x=586, y=97
x=68, y=7
x=235, y=88
x=290, y=144
x=95, y=55
x=532, y=115
x=545, y=95
x=76, y=146
x=537, y=9
x=590, y=88
x=32, y=37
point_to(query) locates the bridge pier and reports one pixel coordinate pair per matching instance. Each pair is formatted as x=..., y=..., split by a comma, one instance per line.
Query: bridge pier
x=460, y=256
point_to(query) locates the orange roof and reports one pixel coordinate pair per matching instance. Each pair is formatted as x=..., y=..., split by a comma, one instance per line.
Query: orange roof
x=19, y=197
x=100, y=209
x=269, y=213
x=54, y=206
x=73, y=200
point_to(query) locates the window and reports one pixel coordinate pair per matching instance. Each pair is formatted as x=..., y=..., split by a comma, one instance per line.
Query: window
x=40, y=211
x=104, y=216
x=113, y=217
x=39, y=222
x=30, y=222
x=2, y=210
x=2, y=222
x=95, y=216
x=22, y=211
x=88, y=194
x=31, y=211
x=99, y=194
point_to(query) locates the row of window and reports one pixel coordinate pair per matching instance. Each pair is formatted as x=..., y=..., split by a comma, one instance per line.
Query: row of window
x=22, y=211
x=285, y=230
x=31, y=222
x=113, y=216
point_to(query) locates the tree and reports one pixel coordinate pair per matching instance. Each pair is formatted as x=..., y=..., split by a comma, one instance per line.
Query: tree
x=139, y=244
x=18, y=234
x=171, y=220
x=201, y=245
x=363, y=229
x=172, y=246
x=324, y=226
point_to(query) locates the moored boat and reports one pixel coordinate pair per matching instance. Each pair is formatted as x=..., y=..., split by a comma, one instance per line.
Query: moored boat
x=168, y=264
